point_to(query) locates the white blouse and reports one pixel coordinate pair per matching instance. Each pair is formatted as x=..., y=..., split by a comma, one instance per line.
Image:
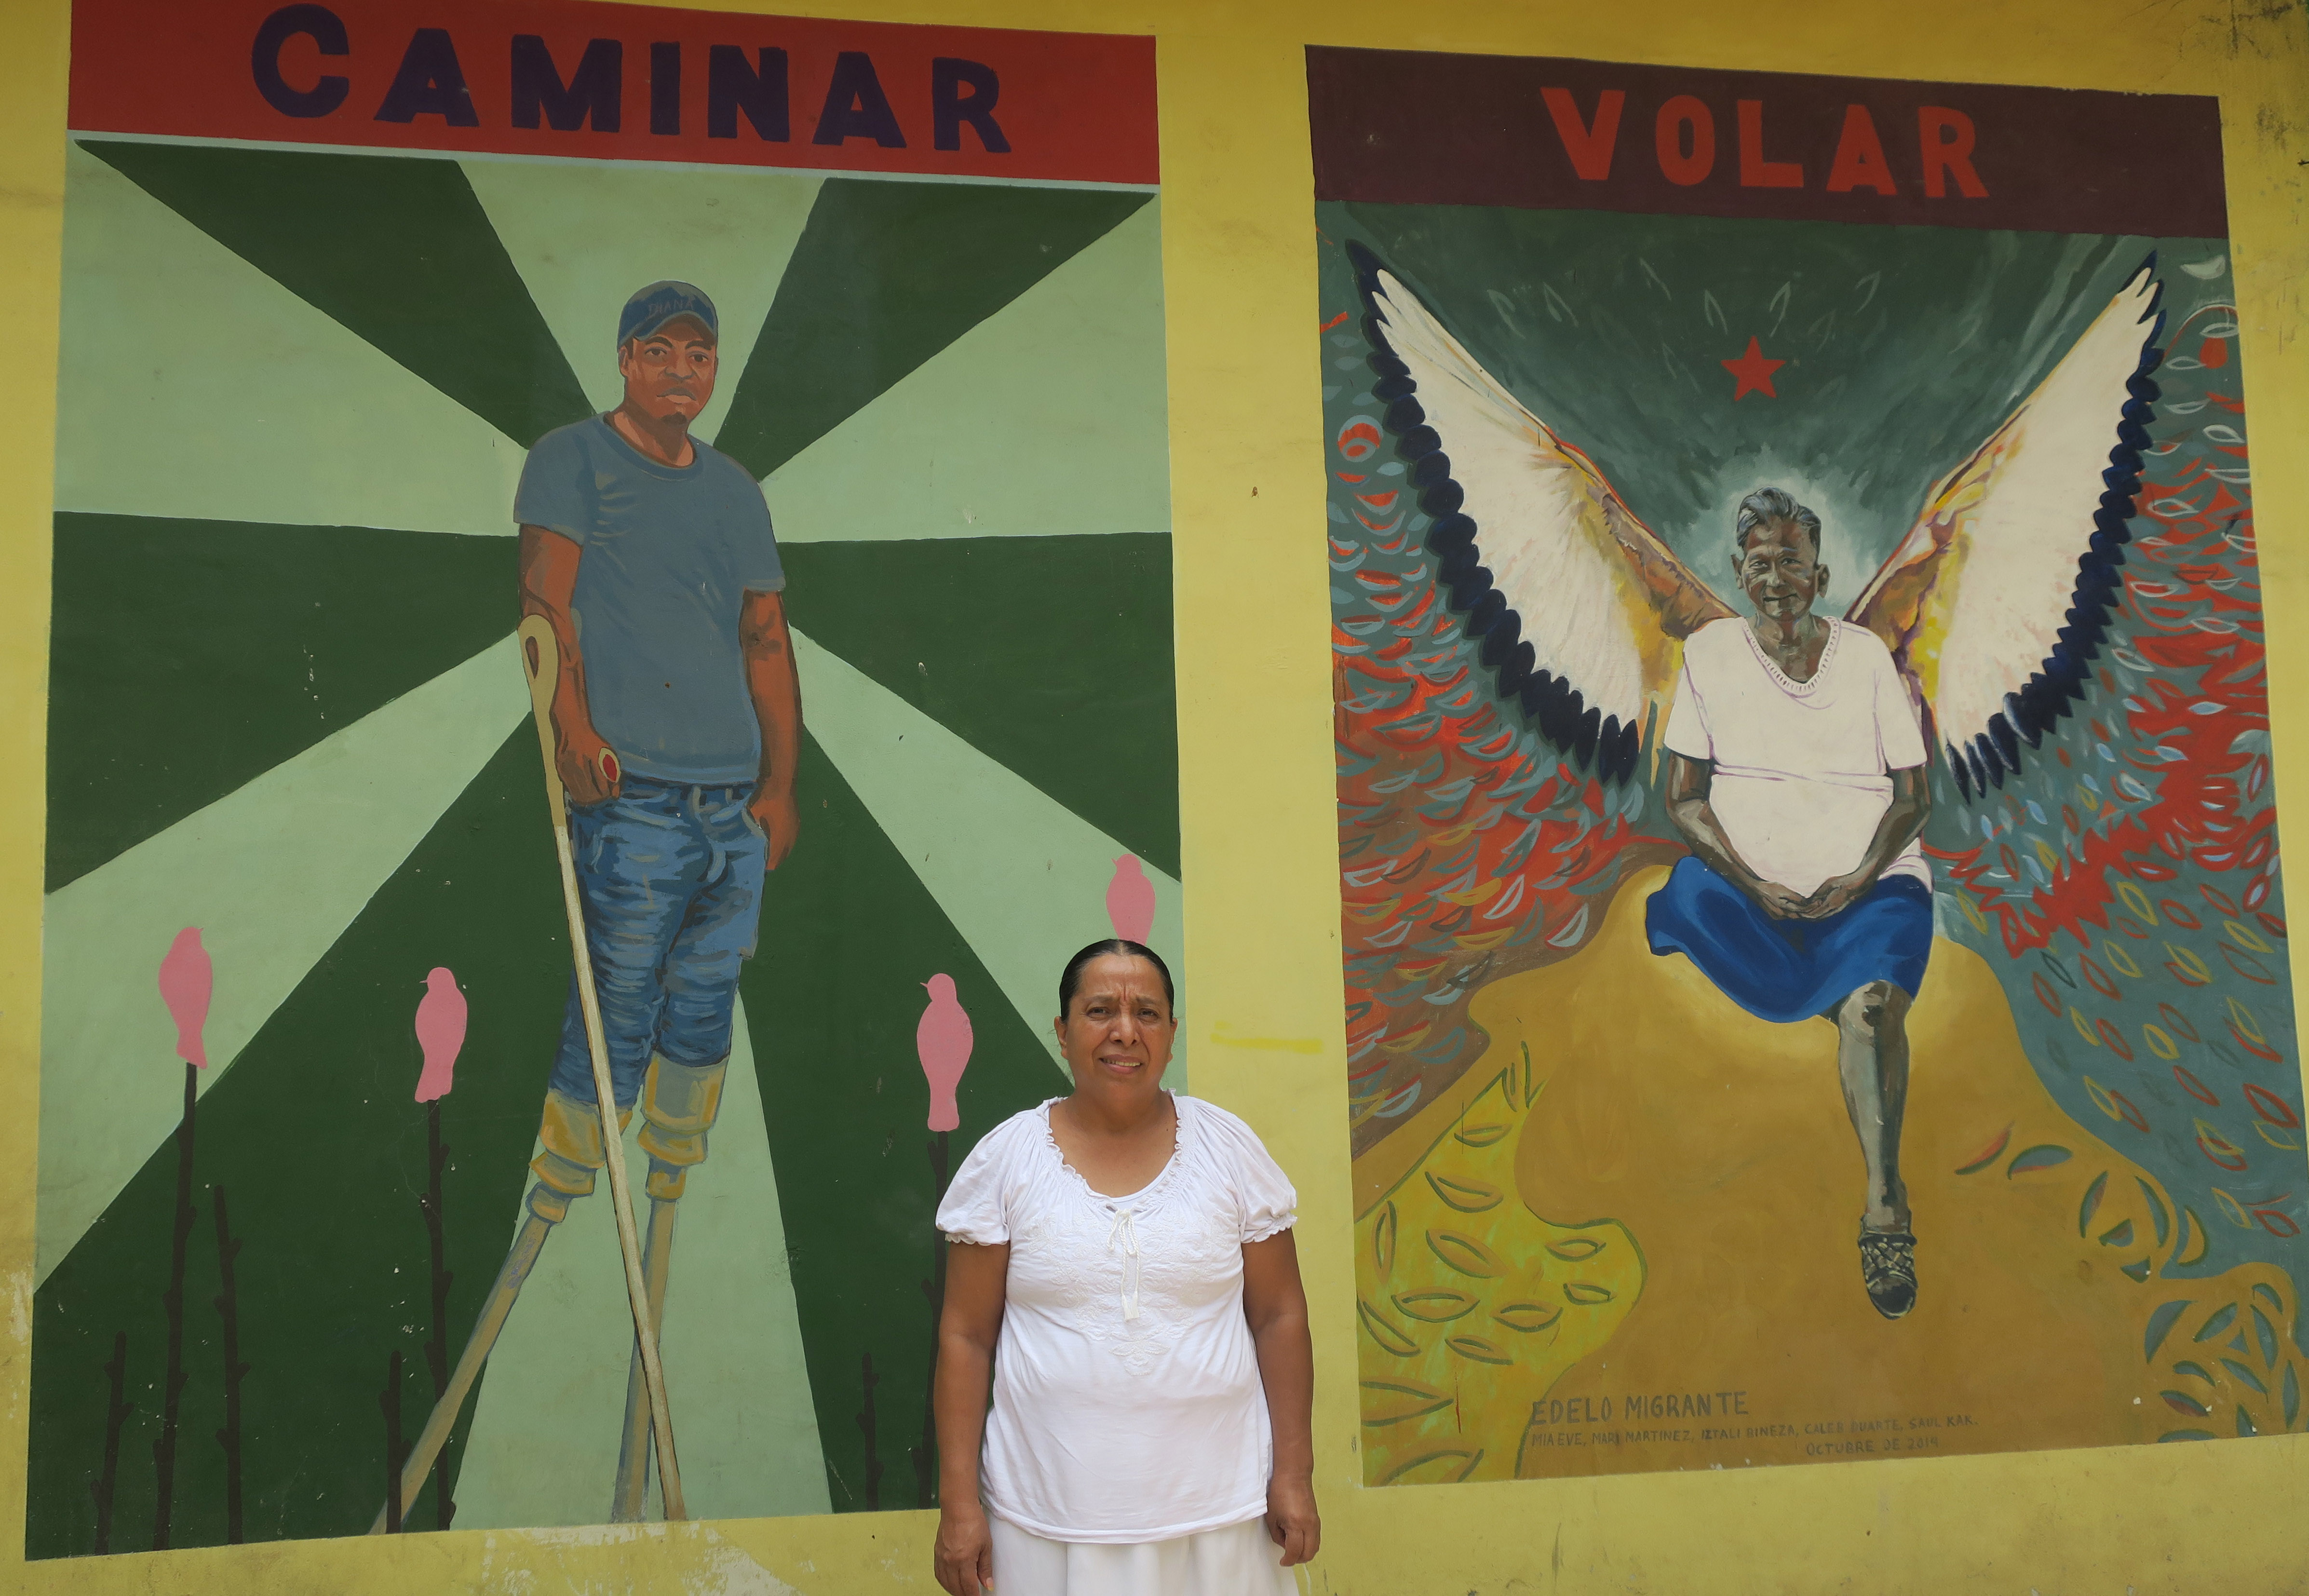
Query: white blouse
x=1127, y=1403
x=1802, y=768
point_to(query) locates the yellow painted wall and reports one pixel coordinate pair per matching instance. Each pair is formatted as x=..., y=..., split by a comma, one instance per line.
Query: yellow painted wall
x=1260, y=859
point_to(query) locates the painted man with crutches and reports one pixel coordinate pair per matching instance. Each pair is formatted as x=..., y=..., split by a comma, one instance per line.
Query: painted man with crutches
x=676, y=720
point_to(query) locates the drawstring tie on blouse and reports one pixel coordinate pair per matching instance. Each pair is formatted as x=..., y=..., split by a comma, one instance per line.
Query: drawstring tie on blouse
x=1124, y=1228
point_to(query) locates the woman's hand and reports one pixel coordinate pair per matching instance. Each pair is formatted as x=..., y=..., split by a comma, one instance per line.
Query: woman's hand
x=964, y=1559
x=1291, y=1522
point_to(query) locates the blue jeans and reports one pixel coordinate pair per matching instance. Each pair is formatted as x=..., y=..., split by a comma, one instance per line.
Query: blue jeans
x=671, y=877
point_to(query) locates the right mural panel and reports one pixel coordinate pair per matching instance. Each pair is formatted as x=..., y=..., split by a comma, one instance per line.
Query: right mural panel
x=1814, y=945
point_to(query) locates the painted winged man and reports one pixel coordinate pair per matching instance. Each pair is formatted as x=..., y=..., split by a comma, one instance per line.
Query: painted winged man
x=1798, y=743
x=1797, y=774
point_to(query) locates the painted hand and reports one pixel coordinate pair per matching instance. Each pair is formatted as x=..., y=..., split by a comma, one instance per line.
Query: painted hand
x=1291, y=1522
x=1781, y=903
x=780, y=819
x=589, y=768
x=964, y=1556
x=1837, y=894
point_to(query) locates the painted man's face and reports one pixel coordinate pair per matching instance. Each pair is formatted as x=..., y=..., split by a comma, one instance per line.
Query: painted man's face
x=1780, y=570
x=670, y=374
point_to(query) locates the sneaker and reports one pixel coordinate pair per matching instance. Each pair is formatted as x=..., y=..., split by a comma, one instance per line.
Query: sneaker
x=1888, y=1267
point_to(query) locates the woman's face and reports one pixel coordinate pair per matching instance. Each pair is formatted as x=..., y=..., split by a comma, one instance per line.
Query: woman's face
x=1117, y=1033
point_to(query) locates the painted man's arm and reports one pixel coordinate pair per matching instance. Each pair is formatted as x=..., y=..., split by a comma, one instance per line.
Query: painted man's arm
x=775, y=687
x=549, y=583
x=1688, y=782
x=1904, y=820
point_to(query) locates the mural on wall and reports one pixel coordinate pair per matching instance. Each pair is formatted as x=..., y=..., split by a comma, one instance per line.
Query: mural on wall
x=823, y=363
x=1654, y=1171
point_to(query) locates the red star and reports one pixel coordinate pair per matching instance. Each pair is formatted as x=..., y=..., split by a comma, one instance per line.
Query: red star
x=1754, y=372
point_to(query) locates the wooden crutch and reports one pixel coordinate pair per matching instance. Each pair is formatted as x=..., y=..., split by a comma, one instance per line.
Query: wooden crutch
x=542, y=656
x=526, y=1246
x=542, y=660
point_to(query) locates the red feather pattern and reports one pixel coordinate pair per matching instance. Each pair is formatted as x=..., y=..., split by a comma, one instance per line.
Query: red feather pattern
x=2126, y=886
x=1468, y=850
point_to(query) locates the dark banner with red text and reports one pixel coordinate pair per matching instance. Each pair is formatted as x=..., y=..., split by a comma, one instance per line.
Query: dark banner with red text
x=1410, y=127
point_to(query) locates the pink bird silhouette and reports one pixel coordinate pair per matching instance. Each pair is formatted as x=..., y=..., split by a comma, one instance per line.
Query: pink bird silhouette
x=187, y=981
x=1130, y=900
x=440, y=1032
x=942, y=1041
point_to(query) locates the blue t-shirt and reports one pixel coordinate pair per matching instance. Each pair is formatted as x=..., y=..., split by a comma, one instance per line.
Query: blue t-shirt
x=668, y=555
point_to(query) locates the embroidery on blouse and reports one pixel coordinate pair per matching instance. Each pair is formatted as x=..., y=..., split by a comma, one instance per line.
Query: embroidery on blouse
x=1166, y=1243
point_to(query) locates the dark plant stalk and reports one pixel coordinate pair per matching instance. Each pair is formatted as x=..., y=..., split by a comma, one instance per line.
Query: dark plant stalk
x=172, y=1379
x=388, y=1402
x=934, y=1288
x=437, y=1348
x=866, y=1424
x=228, y=1307
x=116, y=1414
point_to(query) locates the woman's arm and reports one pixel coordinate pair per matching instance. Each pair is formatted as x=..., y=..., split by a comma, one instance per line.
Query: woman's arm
x=1904, y=820
x=975, y=1281
x=1276, y=1304
x=1688, y=781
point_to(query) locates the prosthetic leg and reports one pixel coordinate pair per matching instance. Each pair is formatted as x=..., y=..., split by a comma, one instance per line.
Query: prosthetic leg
x=571, y=1132
x=679, y=1104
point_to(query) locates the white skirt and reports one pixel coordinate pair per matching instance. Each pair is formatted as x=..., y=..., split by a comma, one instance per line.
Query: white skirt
x=1239, y=1560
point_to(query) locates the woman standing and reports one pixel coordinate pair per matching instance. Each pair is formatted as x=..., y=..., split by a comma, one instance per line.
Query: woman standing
x=1128, y=1254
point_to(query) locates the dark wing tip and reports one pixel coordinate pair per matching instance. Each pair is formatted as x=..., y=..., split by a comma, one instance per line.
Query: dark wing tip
x=2060, y=682
x=1551, y=704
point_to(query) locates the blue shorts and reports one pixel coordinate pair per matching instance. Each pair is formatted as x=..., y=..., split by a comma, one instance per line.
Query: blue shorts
x=1786, y=971
x=671, y=877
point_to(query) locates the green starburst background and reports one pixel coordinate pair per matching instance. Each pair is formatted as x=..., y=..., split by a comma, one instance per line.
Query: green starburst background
x=296, y=393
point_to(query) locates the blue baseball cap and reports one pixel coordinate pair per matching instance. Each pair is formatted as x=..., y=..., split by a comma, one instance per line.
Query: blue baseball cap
x=651, y=308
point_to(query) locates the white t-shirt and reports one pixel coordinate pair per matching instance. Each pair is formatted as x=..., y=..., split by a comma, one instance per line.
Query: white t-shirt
x=1127, y=1403
x=1801, y=775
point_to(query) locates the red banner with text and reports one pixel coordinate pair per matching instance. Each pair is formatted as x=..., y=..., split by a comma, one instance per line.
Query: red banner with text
x=623, y=83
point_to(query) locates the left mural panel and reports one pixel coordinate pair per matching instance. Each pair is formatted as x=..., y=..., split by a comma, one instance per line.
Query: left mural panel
x=803, y=381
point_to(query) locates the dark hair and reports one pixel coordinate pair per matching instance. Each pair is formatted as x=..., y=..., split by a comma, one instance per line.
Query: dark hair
x=1071, y=977
x=1773, y=504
